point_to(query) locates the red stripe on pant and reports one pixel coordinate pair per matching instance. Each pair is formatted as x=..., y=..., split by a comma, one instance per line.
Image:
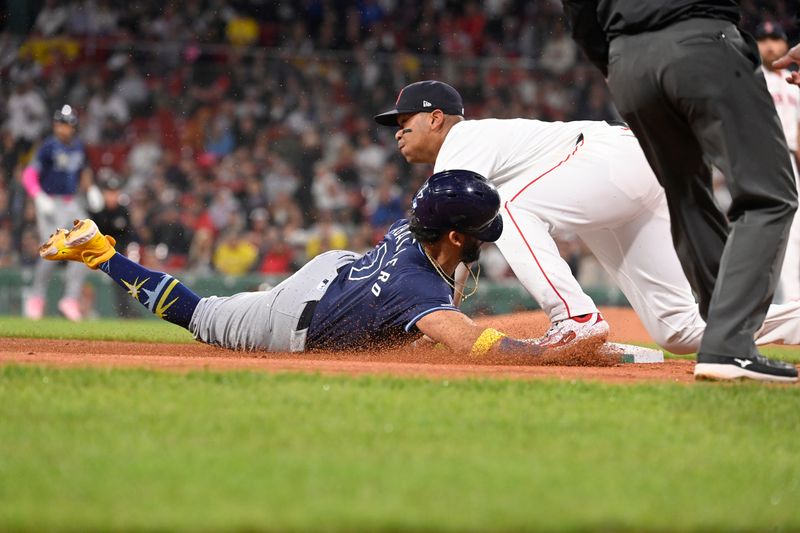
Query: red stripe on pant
x=527, y=244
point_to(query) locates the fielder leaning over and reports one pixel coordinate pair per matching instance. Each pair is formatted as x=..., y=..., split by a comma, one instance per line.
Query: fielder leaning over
x=390, y=296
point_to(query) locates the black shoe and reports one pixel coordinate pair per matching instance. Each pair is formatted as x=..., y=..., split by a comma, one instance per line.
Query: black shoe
x=754, y=367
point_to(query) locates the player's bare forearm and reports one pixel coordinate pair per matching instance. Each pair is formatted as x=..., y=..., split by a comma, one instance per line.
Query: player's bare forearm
x=454, y=329
x=462, y=335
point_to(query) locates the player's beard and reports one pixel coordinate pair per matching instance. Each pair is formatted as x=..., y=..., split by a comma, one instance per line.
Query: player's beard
x=471, y=251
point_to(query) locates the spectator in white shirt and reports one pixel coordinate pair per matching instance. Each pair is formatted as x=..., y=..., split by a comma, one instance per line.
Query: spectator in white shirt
x=133, y=88
x=105, y=108
x=51, y=19
x=560, y=51
x=27, y=112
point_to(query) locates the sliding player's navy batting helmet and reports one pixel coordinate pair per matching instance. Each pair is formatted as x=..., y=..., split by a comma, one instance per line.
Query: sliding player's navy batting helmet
x=459, y=200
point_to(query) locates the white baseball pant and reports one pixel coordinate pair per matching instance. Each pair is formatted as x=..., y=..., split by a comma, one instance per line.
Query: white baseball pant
x=67, y=209
x=604, y=191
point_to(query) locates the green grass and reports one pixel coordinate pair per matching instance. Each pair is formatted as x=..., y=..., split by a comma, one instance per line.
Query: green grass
x=105, y=329
x=135, y=449
x=98, y=449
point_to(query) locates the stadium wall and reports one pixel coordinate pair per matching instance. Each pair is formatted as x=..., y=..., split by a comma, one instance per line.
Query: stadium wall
x=100, y=294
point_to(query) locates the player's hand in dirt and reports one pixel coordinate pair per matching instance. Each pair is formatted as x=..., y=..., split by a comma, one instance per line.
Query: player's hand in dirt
x=460, y=334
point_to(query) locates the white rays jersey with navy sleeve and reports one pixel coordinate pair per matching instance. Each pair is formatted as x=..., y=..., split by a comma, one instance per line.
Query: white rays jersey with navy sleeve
x=378, y=299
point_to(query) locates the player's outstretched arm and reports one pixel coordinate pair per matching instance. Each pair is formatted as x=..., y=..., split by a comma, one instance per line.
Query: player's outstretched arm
x=459, y=333
x=791, y=57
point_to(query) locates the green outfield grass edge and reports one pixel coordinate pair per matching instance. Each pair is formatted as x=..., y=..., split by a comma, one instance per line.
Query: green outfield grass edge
x=136, y=330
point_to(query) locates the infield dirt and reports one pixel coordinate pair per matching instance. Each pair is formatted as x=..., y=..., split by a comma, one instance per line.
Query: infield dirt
x=625, y=327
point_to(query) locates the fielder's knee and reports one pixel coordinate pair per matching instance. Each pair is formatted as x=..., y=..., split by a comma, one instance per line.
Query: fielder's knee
x=680, y=342
x=680, y=347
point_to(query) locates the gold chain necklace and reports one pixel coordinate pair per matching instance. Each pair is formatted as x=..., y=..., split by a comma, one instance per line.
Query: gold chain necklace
x=450, y=281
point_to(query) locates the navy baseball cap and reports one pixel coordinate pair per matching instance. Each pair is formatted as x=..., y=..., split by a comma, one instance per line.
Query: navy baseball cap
x=423, y=96
x=770, y=29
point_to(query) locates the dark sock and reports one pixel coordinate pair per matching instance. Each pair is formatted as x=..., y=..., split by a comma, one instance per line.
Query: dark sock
x=163, y=295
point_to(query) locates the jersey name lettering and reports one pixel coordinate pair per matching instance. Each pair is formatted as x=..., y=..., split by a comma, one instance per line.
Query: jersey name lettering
x=383, y=277
x=401, y=235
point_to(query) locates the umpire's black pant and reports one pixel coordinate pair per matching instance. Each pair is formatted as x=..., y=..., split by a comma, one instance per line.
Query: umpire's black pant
x=694, y=95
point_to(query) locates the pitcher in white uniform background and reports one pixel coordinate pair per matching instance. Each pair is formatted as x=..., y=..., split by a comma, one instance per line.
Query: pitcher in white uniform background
x=772, y=44
x=588, y=178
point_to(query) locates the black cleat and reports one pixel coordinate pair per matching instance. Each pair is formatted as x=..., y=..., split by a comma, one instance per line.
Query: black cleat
x=755, y=367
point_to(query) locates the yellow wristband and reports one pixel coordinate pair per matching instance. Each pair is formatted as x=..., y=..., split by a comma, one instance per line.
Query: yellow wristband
x=487, y=339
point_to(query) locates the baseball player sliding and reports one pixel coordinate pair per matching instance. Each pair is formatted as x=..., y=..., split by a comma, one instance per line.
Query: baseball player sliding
x=587, y=178
x=401, y=289
x=772, y=44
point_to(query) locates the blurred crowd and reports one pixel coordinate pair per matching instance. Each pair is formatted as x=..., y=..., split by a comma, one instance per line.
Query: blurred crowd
x=237, y=137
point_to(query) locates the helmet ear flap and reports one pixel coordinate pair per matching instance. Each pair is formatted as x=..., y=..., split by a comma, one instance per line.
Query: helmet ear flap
x=420, y=232
x=458, y=221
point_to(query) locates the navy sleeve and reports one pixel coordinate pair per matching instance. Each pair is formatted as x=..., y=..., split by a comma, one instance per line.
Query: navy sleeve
x=44, y=157
x=422, y=294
